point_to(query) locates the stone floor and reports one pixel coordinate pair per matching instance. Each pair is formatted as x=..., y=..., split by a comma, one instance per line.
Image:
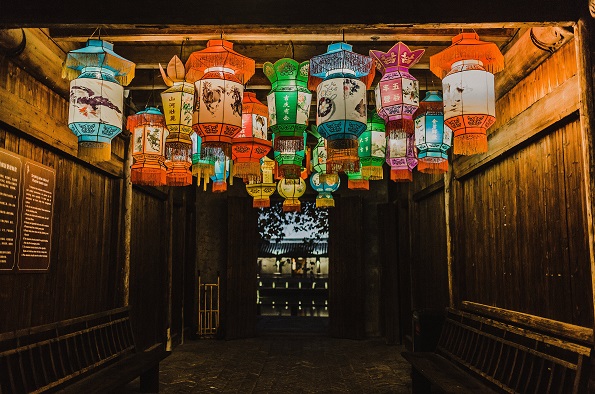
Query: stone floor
x=278, y=362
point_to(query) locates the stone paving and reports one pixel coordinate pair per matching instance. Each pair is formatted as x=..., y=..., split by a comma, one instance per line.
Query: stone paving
x=284, y=363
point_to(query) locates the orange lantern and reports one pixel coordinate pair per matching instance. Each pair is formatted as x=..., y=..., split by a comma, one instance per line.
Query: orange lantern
x=466, y=69
x=148, y=130
x=263, y=190
x=219, y=73
x=251, y=144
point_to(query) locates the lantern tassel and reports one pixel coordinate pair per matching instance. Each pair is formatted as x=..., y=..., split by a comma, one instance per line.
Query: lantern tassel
x=148, y=177
x=373, y=173
x=358, y=184
x=219, y=187
x=399, y=175
x=261, y=203
x=470, y=144
x=396, y=128
x=292, y=205
x=325, y=202
x=432, y=167
x=179, y=178
x=95, y=152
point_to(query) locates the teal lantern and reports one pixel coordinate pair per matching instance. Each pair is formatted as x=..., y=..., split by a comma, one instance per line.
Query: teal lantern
x=324, y=187
x=432, y=137
x=202, y=168
x=221, y=167
x=341, y=78
x=96, y=103
x=288, y=103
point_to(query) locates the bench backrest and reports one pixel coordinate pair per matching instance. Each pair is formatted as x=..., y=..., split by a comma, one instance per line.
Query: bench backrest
x=512, y=358
x=40, y=358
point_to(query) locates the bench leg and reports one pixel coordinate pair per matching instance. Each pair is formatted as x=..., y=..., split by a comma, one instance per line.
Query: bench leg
x=149, y=381
x=419, y=384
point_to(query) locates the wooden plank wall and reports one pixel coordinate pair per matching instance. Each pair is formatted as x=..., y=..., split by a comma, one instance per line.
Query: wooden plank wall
x=518, y=214
x=85, y=274
x=428, y=243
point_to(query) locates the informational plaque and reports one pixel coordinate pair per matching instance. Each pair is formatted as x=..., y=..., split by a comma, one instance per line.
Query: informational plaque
x=26, y=210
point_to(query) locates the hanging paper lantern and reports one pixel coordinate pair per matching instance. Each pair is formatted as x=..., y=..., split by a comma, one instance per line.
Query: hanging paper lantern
x=341, y=78
x=261, y=191
x=177, y=102
x=397, y=93
x=201, y=168
x=96, y=96
x=221, y=174
x=251, y=144
x=291, y=190
x=289, y=99
x=324, y=188
x=148, y=135
x=219, y=73
x=372, y=147
x=401, y=156
x=466, y=69
x=356, y=181
x=289, y=161
x=319, y=158
x=432, y=138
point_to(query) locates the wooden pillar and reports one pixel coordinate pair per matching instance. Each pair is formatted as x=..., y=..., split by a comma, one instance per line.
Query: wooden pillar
x=169, y=217
x=127, y=219
x=449, y=213
x=583, y=30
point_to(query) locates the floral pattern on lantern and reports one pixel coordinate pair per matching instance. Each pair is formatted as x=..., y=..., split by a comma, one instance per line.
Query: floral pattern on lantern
x=148, y=137
x=397, y=93
x=291, y=190
x=324, y=187
x=432, y=138
x=177, y=102
x=466, y=69
x=218, y=73
x=289, y=108
x=401, y=156
x=96, y=102
x=341, y=78
x=251, y=144
x=261, y=191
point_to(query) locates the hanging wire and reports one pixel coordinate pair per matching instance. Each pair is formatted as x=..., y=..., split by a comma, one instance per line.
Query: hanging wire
x=292, y=50
x=151, y=95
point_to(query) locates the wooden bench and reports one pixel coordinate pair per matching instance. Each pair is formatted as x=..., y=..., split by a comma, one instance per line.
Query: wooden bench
x=484, y=349
x=89, y=354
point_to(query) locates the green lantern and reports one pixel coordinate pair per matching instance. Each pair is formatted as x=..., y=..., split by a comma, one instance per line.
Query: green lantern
x=372, y=147
x=289, y=161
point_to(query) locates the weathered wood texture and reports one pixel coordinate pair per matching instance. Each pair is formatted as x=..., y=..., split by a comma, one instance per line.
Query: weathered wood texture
x=429, y=268
x=346, y=271
x=521, y=235
x=82, y=278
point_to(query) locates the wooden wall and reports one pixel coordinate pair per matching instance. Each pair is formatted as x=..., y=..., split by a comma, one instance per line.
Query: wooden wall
x=516, y=215
x=86, y=266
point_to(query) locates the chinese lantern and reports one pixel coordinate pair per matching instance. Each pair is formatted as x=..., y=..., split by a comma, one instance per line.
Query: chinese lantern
x=319, y=157
x=219, y=73
x=289, y=108
x=467, y=70
x=402, y=157
x=201, y=168
x=372, y=147
x=251, y=144
x=432, y=138
x=291, y=190
x=289, y=161
x=397, y=93
x=356, y=181
x=221, y=174
x=341, y=78
x=177, y=102
x=261, y=191
x=148, y=134
x=324, y=188
x=97, y=74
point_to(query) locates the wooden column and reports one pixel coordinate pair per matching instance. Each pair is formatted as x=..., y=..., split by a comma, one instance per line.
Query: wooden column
x=583, y=30
x=449, y=214
x=127, y=219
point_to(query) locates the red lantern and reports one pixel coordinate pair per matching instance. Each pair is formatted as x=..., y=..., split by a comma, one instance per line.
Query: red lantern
x=251, y=144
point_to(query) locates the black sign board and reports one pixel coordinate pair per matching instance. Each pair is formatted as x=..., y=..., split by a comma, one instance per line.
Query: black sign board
x=26, y=210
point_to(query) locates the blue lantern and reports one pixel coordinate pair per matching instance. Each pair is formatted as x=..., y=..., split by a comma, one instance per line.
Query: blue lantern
x=221, y=174
x=325, y=187
x=95, y=111
x=432, y=137
x=341, y=78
